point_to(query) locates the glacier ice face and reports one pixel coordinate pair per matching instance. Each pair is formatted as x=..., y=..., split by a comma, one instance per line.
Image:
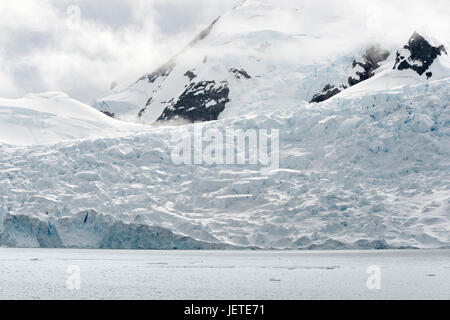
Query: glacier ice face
x=203, y=101
x=92, y=230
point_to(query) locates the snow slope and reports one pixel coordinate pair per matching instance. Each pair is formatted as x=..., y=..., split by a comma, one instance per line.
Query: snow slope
x=365, y=169
x=392, y=78
x=54, y=117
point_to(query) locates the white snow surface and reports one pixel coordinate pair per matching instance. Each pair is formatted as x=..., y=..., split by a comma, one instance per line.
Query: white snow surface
x=54, y=117
x=367, y=169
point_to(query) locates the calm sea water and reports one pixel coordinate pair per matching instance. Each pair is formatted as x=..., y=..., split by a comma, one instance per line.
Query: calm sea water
x=248, y=275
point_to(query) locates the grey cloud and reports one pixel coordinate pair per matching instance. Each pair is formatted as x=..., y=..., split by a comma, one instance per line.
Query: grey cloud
x=175, y=16
x=119, y=40
x=111, y=13
x=23, y=41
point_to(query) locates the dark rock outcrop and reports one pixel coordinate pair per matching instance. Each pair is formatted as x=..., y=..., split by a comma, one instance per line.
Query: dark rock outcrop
x=109, y=114
x=190, y=74
x=202, y=101
x=162, y=72
x=371, y=62
x=418, y=55
x=141, y=112
x=204, y=33
x=166, y=69
x=238, y=74
x=328, y=92
x=364, y=70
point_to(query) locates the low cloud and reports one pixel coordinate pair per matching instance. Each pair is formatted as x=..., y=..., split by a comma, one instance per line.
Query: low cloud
x=43, y=47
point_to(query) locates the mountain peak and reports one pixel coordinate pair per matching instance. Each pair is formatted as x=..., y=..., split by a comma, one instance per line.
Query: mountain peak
x=362, y=70
x=418, y=55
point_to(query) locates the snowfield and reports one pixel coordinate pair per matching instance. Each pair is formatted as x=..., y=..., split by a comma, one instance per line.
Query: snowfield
x=54, y=117
x=368, y=168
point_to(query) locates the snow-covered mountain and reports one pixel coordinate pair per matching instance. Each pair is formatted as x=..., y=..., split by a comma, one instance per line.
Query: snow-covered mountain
x=247, y=56
x=54, y=117
x=364, y=145
x=245, y=60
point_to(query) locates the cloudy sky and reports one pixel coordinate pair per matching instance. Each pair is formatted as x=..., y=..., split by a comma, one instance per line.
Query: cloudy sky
x=82, y=46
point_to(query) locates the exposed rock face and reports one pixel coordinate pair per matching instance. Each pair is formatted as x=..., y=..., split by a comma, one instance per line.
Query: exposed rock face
x=203, y=101
x=109, y=114
x=364, y=70
x=371, y=62
x=328, y=92
x=89, y=229
x=418, y=55
x=238, y=74
x=141, y=112
x=190, y=74
x=163, y=71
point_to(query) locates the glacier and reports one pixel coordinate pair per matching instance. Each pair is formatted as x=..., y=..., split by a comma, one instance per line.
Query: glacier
x=366, y=172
